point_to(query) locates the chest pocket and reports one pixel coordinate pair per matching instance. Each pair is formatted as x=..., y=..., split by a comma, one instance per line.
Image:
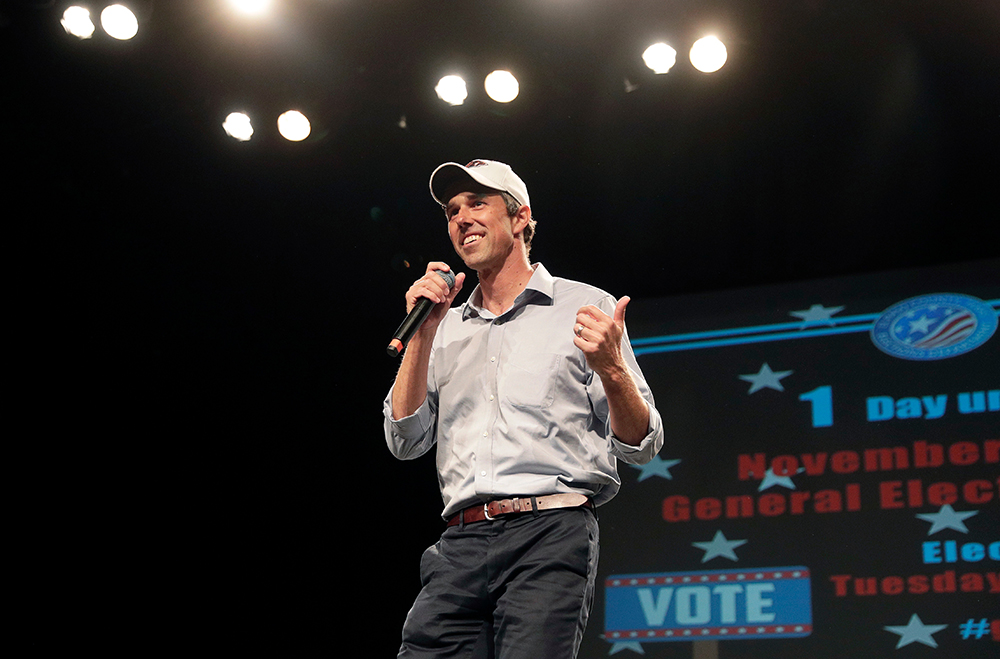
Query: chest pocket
x=530, y=380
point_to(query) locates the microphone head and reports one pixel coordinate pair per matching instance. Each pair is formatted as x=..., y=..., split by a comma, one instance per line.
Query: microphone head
x=448, y=276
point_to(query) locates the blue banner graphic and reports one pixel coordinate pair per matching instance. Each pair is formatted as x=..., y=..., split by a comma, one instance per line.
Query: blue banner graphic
x=773, y=602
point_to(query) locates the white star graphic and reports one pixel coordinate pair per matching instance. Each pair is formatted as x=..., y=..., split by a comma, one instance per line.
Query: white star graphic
x=635, y=646
x=765, y=377
x=947, y=518
x=656, y=467
x=921, y=325
x=817, y=313
x=770, y=480
x=915, y=631
x=719, y=546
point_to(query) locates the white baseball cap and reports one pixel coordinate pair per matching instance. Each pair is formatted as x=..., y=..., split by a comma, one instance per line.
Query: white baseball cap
x=492, y=174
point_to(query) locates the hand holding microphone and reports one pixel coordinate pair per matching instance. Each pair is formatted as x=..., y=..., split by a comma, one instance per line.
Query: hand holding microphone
x=429, y=297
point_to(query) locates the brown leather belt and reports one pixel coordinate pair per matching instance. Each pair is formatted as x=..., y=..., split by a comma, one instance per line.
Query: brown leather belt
x=493, y=509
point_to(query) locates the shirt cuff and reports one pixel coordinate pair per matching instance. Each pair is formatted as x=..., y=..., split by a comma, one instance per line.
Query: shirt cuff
x=405, y=436
x=645, y=450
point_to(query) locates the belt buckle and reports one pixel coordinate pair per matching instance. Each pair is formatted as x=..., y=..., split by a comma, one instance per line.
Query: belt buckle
x=515, y=508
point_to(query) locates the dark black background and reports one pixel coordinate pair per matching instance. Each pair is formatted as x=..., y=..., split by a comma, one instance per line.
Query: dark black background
x=198, y=325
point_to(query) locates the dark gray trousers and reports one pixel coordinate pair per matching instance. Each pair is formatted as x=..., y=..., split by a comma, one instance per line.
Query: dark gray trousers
x=519, y=587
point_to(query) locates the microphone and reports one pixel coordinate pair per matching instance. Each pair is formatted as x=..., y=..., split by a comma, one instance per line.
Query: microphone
x=415, y=319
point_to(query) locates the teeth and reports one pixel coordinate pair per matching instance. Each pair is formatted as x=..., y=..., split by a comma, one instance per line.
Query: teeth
x=470, y=239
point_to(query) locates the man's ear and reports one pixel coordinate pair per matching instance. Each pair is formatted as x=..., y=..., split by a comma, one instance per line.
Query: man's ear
x=520, y=220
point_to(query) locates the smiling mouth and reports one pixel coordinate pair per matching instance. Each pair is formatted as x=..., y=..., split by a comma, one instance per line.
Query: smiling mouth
x=471, y=239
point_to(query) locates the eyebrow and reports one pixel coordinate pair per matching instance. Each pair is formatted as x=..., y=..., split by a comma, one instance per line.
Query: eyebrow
x=476, y=196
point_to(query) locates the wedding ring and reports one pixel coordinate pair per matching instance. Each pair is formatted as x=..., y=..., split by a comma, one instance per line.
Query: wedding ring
x=578, y=329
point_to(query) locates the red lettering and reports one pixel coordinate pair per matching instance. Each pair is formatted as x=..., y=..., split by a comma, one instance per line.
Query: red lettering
x=864, y=587
x=892, y=585
x=751, y=467
x=971, y=582
x=840, y=584
x=785, y=465
x=845, y=462
x=963, y=453
x=927, y=455
x=814, y=465
x=677, y=508
x=885, y=459
x=944, y=582
x=922, y=455
x=977, y=492
x=853, y=496
x=741, y=506
x=771, y=504
x=889, y=494
x=938, y=494
x=828, y=501
x=707, y=508
x=798, y=502
x=918, y=584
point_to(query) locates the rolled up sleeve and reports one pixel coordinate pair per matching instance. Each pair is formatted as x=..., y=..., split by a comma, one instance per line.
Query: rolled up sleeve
x=411, y=436
x=647, y=448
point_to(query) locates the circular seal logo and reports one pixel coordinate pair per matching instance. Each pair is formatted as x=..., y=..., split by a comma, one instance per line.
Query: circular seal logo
x=932, y=327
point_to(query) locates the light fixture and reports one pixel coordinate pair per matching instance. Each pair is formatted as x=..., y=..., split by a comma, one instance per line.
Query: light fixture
x=452, y=90
x=502, y=86
x=708, y=54
x=237, y=125
x=119, y=22
x=76, y=21
x=294, y=126
x=660, y=57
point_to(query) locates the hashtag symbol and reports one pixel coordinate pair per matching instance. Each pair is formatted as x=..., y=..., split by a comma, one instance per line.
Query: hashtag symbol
x=971, y=627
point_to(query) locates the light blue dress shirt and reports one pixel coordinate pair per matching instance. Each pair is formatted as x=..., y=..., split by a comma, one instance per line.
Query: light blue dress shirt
x=512, y=405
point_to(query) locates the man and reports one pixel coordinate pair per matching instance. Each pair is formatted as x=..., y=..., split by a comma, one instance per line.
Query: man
x=530, y=392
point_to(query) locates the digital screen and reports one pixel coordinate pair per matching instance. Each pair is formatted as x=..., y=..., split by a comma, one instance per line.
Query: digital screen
x=830, y=481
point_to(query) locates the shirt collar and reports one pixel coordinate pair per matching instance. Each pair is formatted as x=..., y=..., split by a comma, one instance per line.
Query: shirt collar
x=539, y=290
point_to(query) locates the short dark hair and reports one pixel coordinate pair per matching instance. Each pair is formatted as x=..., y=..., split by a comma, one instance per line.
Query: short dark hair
x=513, y=206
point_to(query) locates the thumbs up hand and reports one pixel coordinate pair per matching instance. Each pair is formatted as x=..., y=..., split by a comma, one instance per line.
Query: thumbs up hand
x=599, y=336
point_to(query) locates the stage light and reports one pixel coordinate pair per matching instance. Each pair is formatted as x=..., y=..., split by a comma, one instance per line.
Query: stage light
x=119, y=22
x=452, y=90
x=502, y=86
x=76, y=21
x=237, y=125
x=708, y=54
x=660, y=57
x=251, y=7
x=294, y=126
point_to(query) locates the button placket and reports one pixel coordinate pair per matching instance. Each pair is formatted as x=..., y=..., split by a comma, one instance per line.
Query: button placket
x=486, y=464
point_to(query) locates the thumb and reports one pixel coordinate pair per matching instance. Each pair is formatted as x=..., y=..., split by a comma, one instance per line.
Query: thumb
x=457, y=287
x=620, y=310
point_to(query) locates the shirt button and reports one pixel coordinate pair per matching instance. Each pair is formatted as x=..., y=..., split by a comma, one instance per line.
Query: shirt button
x=485, y=433
x=492, y=396
x=482, y=473
x=493, y=359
